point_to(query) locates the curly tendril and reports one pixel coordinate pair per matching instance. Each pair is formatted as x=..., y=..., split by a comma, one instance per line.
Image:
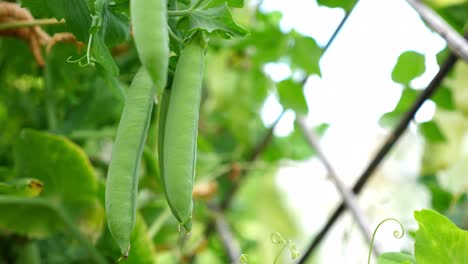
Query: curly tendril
x=277, y=238
x=90, y=60
x=396, y=234
x=243, y=259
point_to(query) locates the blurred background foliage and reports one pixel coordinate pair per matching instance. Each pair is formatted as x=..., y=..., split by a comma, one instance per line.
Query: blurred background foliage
x=57, y=124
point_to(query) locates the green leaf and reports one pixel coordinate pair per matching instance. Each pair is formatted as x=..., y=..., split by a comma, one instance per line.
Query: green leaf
x=291, y=96
x=103, y=56
x=441, y=199
x=347, y=5
x=293, y=147
x=216, y=21
x=443, y=98
x=306, y=54
x=410, y=65
x=115, y=26
x=438, y=240
x=407, y=98
x=395, y=258
x=75, y=13
x=431, y=131
x=68, y=179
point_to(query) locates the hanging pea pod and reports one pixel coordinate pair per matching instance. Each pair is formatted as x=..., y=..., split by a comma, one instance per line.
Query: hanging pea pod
x=149, y=23
x=122, y=177
x=178, y=129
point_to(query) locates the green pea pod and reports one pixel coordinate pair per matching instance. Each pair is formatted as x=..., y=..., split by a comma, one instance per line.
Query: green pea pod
x=122, y=177
x=179, y=124
x=149, y=23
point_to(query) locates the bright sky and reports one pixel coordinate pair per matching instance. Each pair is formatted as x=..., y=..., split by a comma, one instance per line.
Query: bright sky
x=354, y=91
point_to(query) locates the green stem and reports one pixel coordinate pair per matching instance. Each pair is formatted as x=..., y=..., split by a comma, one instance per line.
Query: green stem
x=69, y=223
x=37, y=22
x=49, y=97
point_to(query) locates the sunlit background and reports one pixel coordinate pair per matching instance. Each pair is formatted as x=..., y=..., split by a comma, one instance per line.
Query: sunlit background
x=354, y=91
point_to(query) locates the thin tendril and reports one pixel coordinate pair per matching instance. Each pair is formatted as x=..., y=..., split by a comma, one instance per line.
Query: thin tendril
x=89, y=59
x=243, y=259
x=276, y=238
x=396, y=234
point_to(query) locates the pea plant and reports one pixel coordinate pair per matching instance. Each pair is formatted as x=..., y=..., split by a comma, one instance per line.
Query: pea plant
x=130, y=132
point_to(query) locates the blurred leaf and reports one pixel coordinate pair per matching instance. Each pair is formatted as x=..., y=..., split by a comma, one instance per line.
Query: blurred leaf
x=431, y=131
x=409, y=66
x=441, y=199
x=443, y=3
x=408, y=97
x=75, y=13
x=68, y=178
x=306, y=54
x=217, y=21
x=291, y=96
x=115, y=27
x=395, y=258
x=441, y=155
x=443, y=98
x=231, y=3
x=293, y=146
x=455, y=14
x=438, y=240
x=347, y=5
x=103, y=56
x=458, y=83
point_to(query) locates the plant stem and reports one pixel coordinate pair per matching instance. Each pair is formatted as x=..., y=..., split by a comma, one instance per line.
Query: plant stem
x=37, y=22
x=69, y=223
x=49, y=96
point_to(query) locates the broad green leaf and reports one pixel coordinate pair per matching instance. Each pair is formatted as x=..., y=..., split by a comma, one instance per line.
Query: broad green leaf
x=438, y=240
x=103, y=56
x=75, y=13
x=347, y=5
x=395, y=258
x=431, y=131
x=407, y=98
x=410, y=65
x=306, y=54
x=68, y=179
x=60, y=164
x=443, y=98
x=291, y=96
x=217, y=21
x=115, y=27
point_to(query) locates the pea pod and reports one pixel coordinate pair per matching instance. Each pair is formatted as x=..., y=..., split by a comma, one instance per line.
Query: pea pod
x=179, y=125
x=122, y=177
x=149, y=23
